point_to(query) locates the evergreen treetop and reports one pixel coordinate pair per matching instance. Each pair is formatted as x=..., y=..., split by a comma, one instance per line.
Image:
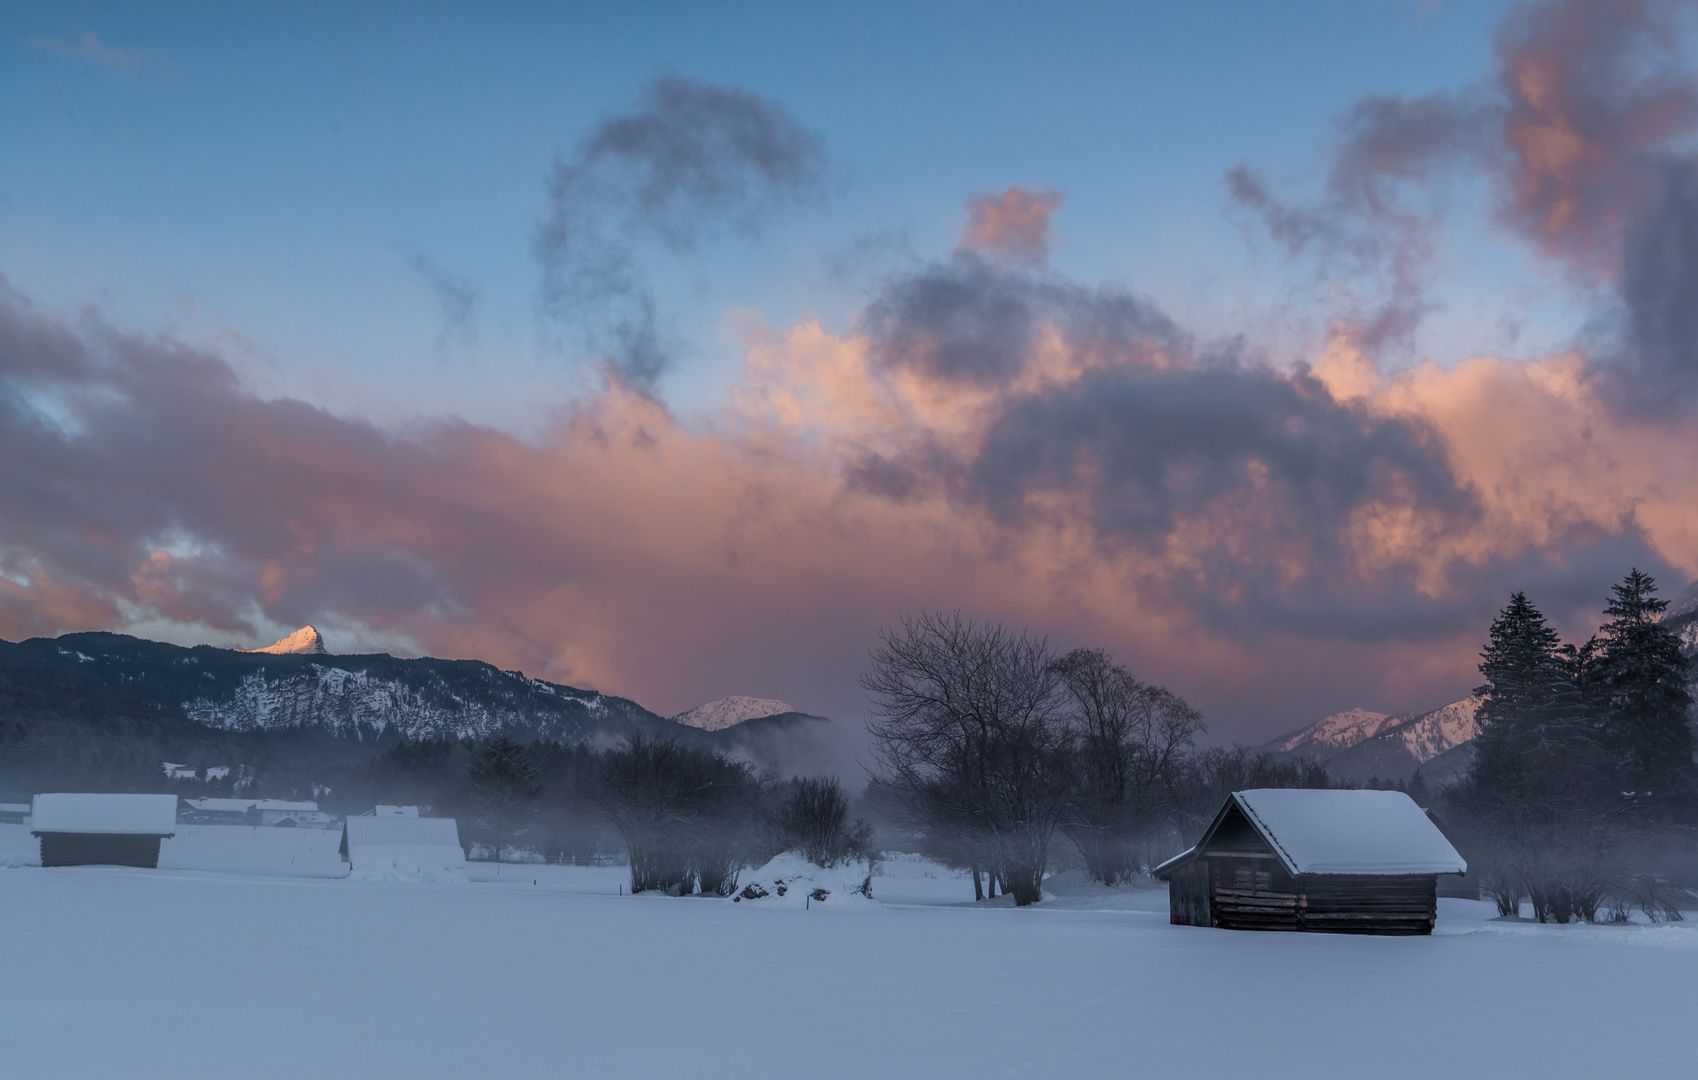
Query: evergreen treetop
x=1641, y=683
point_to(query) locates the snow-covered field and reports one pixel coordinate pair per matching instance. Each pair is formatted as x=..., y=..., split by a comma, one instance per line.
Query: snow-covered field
x=549, y=971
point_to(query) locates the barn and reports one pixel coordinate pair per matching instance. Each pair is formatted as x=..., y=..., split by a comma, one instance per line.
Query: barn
x=103, y=830
x=402, y=846
x=1352, y=862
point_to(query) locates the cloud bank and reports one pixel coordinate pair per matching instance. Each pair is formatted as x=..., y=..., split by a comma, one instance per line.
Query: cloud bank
x=987, y=434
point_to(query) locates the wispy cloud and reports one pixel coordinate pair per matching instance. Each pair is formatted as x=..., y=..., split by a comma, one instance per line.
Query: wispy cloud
x=692, y=162
x=88, y=49
x=457, y=297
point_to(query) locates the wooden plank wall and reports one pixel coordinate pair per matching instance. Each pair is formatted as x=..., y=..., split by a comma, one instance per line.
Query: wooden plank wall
x=1370, y=904
x=99, y=849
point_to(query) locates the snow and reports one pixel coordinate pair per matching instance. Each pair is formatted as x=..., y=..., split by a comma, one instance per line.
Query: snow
x=1442, y=729
x=405, y=849
x=728, y=712
x=305, y=641
x=1337, y=732
x=791, y=881
x=1349, y=832
x=548, y=971
x=144, y=815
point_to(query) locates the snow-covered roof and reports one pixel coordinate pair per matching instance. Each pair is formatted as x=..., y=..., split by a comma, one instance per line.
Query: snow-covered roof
x=222, y=806
x=141, y=815
x=284, y=804
x=1340, y=832
x=402, y=831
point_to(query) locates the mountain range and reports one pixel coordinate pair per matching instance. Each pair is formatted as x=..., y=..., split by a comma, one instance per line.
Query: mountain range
x=297, y=688
x=1363, y=745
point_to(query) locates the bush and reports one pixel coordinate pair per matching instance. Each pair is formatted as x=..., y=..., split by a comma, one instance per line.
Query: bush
x=813, y=819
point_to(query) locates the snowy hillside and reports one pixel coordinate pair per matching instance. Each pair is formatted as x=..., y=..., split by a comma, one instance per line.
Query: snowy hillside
x=726, y=712
x=1431, y=734
x=360, y=697
x=361, y=704
x=1359, y=744
x=1337, y=732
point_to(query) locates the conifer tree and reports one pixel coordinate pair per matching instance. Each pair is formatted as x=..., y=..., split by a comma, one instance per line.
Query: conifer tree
x=1641, y=681
x=1540, y=792
x=1527, y=681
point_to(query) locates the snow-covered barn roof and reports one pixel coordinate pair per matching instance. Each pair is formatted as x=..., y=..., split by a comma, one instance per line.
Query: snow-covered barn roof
x=285, y=804
x=402, y=832
x=135, y=815
x=1338, y=832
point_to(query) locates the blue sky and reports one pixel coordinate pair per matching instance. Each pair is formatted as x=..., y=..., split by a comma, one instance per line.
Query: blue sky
x=270, y=178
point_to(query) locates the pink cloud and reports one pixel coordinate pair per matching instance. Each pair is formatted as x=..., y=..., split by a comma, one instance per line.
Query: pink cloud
x=1012, y=226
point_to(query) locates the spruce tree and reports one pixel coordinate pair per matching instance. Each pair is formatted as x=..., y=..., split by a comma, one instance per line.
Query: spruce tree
x=1641, y=680
x=1526, y=677
x=1540, y=794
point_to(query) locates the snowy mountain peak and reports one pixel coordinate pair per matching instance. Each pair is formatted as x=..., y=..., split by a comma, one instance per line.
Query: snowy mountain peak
x=728, y=712
x=1336, y=732
x=303, y=642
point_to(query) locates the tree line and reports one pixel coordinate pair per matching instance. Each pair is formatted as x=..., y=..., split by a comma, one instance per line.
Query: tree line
x=686, y=818
x=1582, y=795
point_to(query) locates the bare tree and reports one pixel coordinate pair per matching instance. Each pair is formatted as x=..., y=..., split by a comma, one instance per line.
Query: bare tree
x=971, y=732
x=1131, y=738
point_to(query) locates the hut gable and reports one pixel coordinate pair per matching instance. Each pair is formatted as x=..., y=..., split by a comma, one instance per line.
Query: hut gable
x=1296, y=859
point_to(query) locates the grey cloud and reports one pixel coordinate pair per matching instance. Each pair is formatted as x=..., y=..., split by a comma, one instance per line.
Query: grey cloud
x=1371, y=227
x=1255, y=473
x=694, y=161
x=1385, y=139
x=970, y=320
x=1658, y=368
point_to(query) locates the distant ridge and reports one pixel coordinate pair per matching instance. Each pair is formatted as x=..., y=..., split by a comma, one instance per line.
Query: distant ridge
x=729, y=712
x=303, y=642
x=1361, y=745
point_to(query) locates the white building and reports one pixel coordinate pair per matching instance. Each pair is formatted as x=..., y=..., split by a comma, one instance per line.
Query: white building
x=280, y=812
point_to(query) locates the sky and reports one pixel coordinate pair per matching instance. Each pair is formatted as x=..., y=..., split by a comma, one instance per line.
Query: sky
x=673, y=351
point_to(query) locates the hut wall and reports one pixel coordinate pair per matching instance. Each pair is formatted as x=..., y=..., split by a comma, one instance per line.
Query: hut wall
x=99, y=849
x=1188, y=894
x=1369, y=904
x=1251, y=893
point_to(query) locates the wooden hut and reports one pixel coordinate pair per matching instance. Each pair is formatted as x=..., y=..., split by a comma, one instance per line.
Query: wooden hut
x=1357, y=862
x=105, y=830
x=402, y=846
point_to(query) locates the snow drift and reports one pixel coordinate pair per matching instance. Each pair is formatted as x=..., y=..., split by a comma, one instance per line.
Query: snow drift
x=791, y=881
